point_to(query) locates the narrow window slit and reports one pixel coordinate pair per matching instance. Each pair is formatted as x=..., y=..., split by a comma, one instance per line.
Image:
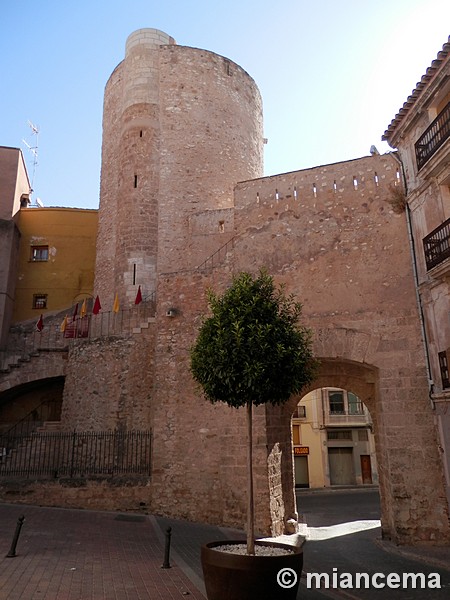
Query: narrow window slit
x=135, y=181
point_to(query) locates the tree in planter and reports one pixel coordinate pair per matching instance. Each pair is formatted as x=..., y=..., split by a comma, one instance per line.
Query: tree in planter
x=252, y=350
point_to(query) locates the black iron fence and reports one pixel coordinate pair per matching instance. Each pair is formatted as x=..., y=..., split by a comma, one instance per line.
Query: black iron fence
x=86, y=454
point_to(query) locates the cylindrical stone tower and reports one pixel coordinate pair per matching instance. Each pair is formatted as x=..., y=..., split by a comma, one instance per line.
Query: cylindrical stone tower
x=181, y=126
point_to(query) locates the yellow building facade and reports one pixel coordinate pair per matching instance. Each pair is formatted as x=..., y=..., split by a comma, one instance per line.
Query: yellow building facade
x=333, y=441
x=56, y=260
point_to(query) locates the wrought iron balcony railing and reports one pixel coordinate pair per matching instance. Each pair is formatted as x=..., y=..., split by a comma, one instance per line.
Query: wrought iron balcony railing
x=436, y=245
x=444, y=368
x=433, y=138
x=346, y=418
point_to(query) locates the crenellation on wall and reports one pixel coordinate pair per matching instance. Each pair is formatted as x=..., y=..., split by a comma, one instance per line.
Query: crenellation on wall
x=370, y=174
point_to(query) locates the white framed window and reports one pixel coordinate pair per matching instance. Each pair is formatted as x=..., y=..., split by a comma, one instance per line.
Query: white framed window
x=40, y=301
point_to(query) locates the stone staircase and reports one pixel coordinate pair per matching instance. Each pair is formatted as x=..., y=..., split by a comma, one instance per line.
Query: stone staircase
x=143, y=325
x=49, y=427
x=13, y=360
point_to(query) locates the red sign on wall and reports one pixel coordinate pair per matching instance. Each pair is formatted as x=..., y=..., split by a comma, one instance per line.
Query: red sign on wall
x=301, y=450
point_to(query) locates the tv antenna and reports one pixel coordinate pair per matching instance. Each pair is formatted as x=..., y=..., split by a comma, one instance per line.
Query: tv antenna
x=33, y=149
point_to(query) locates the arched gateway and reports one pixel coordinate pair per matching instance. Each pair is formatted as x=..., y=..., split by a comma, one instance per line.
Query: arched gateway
x=345, y=254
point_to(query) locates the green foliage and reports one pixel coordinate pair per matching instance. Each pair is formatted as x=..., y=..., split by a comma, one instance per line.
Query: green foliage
x=252, y=348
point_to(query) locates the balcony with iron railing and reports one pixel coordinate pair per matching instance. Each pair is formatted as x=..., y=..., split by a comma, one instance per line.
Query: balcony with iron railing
x=433, y=138
x=436, y=245
x=339, y=418
x=444, y=367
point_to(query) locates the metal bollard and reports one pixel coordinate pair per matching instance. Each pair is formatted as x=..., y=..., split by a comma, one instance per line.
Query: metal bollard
x=12, y=550
x=166, y=563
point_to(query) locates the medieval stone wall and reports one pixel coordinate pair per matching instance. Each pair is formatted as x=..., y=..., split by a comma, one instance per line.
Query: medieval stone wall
x=118, y=494
x=331, y=235
x=109, y=384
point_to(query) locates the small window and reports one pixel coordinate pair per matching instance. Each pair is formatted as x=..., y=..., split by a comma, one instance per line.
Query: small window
x=40, y=301
x=39, y=253
x=355, y=406
x=339, y=435
x=300, y=412
x=363, y=435
x=296, y=435
x=336, y=403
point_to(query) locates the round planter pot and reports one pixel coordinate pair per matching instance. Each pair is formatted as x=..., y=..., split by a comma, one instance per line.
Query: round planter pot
x=245, y=577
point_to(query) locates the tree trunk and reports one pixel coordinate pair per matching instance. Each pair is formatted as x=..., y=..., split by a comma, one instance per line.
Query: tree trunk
x=250, y=504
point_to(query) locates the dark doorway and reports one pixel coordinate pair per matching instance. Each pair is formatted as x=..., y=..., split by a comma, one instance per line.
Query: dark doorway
x=366, y=468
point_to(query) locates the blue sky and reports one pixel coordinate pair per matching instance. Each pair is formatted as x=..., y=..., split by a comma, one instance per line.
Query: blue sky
x=332, y=74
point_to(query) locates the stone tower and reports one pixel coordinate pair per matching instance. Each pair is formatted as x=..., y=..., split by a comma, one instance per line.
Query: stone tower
x=180, y=127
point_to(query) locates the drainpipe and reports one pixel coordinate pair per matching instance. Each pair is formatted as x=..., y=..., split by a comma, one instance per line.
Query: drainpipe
x=416, y=286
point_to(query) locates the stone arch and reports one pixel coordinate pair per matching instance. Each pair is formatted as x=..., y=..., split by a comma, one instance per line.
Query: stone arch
x=41, y=375
x=405, y=437
x=43, y=365
x=44, y=396
x=360, y=378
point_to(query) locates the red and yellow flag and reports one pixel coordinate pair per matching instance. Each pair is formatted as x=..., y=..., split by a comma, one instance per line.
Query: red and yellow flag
x=40, y=323
x=97, y=306
x=63, y=325
x=138, y=299
x=116, y=303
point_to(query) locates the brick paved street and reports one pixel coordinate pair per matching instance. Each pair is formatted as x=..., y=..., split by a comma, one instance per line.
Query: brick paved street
x=65, y=554
x=80, y=555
